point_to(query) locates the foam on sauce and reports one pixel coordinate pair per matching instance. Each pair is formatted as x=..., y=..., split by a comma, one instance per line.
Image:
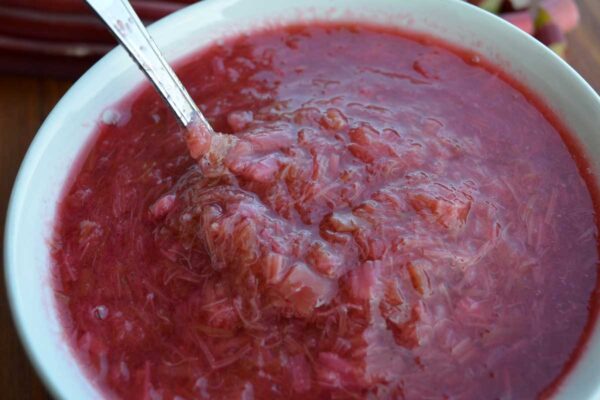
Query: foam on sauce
x=399, y=221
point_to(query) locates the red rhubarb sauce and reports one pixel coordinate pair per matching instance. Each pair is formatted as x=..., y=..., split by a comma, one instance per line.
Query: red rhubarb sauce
x=398, y=220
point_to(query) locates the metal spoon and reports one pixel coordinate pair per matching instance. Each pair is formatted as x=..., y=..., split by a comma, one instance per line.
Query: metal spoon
x=124, y=23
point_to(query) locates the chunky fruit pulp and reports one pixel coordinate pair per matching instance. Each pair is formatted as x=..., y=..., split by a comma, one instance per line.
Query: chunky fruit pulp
x=397, y=221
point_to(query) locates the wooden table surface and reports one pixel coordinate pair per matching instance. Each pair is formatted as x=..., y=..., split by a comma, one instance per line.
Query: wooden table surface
x=25, y=102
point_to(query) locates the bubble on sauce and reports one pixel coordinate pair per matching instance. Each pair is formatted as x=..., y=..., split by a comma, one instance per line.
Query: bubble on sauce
x=124, y=370
x=111, y=117
x=156, y=118
x=248, y=392
x=116, y=117
x=154, y=394
x=100, y=312
x=202, y=387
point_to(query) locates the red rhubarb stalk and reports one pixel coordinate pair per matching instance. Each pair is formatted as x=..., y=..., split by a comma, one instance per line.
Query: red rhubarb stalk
x=521, y=19
x=564, y=13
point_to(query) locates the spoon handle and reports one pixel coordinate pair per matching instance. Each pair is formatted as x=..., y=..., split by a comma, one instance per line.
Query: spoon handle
x=123, y=22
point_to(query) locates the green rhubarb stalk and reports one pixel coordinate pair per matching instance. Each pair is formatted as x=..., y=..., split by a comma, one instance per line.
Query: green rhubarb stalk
x=492, y=6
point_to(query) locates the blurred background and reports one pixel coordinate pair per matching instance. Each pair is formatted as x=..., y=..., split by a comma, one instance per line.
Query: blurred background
x=45, y=45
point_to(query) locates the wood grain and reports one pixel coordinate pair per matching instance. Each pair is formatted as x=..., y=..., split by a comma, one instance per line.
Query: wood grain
x=25, y=102
x=584, y=43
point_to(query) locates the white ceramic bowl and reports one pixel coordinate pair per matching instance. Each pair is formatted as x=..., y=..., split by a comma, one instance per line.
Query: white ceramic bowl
x=63, y=137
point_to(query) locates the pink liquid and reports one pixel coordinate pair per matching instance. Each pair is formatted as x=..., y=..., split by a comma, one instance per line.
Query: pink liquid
x=403, y=222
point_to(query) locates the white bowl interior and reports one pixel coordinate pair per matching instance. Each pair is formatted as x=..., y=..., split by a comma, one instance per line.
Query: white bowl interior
x=64, y=134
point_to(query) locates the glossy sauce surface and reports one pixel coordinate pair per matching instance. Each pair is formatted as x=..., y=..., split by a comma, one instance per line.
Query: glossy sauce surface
x=397, y=222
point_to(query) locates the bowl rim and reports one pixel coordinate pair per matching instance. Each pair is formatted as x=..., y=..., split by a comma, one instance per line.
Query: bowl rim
x=60, y=110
